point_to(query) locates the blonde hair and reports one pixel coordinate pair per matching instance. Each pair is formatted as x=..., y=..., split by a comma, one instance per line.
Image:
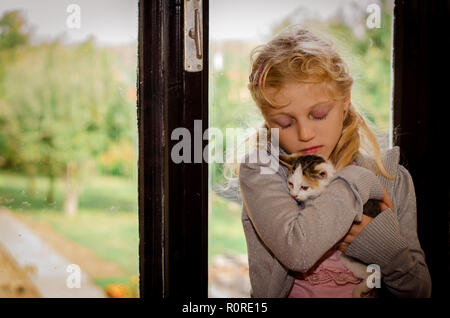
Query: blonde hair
x=296, y=54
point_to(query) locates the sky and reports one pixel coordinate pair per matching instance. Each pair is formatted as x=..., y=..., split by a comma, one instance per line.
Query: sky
x=116, y=21
x=252, y=19
x=112, y=22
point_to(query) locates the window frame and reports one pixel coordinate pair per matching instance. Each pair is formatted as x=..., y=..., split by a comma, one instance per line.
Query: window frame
x=173, y=217
x=173, y=198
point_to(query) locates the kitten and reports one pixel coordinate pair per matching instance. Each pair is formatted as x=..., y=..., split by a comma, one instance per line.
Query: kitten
x=307, y=177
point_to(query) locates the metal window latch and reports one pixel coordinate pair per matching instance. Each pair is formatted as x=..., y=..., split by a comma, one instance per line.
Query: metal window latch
x=193, y=36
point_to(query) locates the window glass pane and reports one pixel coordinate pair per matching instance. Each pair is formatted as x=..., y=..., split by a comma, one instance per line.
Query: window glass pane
x=68, y=149
x=361, y=31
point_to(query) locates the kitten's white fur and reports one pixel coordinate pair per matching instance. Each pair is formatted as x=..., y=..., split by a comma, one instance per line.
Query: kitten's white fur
x=357, y=268
x=298, y=181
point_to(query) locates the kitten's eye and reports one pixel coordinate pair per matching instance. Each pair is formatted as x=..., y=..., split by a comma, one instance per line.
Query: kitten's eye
x=322, y=175
x=290, y=184
x=304, y=188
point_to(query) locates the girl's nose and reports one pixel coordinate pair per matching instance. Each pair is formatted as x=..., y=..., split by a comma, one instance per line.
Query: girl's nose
x=305, y=133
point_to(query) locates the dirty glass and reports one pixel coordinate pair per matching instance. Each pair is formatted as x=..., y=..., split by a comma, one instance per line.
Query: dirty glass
x=361, y=31
x=68, y=149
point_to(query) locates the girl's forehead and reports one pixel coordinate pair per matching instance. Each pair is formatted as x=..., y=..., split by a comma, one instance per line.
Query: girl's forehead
x=298, y=95
x=294, y=88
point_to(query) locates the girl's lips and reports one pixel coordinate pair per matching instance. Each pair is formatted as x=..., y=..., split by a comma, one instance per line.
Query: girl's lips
x=311, y=150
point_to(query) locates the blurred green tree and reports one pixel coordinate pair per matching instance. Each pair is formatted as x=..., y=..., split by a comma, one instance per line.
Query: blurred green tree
x=13, y=30
x=14, y=34
x=62, y=106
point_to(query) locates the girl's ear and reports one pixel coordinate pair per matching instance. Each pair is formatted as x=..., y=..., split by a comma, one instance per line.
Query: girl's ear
x=288, y=160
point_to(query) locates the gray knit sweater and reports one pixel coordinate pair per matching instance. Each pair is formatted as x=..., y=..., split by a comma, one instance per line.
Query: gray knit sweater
x=284, y=237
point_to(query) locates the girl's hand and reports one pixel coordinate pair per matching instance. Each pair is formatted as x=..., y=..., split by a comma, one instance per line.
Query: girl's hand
x=386, y=201
x=356, y=228
x=354, y=231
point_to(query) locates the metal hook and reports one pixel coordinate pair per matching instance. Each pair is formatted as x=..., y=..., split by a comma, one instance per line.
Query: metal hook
x=193, y=50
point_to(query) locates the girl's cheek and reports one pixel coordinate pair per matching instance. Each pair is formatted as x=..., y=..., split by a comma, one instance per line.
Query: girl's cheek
x=289, y=139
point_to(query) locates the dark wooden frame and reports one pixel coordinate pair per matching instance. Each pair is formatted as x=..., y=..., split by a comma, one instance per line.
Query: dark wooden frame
x=419, y=105
x=173, y=198
x=173, y=202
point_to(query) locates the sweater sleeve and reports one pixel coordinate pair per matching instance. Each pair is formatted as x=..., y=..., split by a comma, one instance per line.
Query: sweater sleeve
x=391, y=242
x=297, y=237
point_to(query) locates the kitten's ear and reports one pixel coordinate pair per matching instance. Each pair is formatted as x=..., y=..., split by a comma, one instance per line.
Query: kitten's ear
x=289, y=160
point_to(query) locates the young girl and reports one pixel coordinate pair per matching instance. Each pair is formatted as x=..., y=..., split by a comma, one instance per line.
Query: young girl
x=303, y=88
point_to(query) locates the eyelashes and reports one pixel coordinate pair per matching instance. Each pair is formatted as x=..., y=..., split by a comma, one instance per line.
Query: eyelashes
x=321, y=117
x=314, y=118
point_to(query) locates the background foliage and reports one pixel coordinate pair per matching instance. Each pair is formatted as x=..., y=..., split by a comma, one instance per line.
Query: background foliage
x=65, y=110
x=68, y=142
x=368, y=53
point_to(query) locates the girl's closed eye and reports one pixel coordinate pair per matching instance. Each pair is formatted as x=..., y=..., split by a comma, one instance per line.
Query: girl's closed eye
x=321, y=117
x=284, y=122
x=320, y=114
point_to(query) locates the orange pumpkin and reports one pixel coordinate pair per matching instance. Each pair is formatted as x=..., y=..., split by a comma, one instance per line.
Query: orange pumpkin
x=117, y=291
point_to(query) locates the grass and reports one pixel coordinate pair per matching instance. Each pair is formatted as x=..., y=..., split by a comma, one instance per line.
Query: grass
x=107, y=219
x=100, y=193
x=106, y=222
x=226, y=234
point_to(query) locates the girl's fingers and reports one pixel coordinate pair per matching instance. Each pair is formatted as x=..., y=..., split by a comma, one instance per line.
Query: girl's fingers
x=348, y=238
x=342, y=245
x=386, y=200
x=354, y=231
x=356, y=228
x=383, y=206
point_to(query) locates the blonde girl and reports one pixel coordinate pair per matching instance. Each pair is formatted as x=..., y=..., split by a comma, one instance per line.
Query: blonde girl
x=303, y=87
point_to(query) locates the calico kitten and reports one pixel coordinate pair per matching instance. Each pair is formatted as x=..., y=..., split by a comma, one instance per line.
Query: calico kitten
x=307, y=177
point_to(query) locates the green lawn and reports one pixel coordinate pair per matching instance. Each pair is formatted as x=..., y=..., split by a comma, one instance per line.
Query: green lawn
x=106, y=222
x=226, y=234
x=107, y=219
